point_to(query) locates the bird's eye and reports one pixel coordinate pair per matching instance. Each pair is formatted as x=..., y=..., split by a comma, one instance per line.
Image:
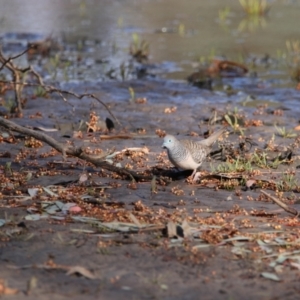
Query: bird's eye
x=170, y=141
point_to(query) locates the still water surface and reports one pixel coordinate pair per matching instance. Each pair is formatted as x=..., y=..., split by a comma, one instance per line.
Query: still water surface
x=180, y=33
x=194, y=27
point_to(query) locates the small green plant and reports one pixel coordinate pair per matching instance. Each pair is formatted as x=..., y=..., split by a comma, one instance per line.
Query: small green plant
x=292, y=54
x=9, y=104
x=232, y=118
x=132, y=94
x=288, y=182
x=40, y=92
x=235, y=165
x=260, y=159
x=255, y=7
x=79, y=45
x=241, y=164
x=181, y=29
x=293, y=47
x=66, y=65
x=206, y=60
x=283, y=132
x=224, y=14
x=252, y=23
x=53, y=66
x=139, y=49
x=124, y=70
x=114, y=47
x=120, y=22
x=8, y=169
x=56, y=64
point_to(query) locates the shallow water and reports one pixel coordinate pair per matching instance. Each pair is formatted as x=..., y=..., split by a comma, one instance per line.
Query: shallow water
x=179, y=34
x=194, y=28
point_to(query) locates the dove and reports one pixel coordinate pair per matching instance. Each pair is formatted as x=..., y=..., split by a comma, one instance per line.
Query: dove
x=188, y=154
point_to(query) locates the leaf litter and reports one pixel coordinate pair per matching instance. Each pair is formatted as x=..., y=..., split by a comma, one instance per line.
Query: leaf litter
x=183, y=220
x=211, y=232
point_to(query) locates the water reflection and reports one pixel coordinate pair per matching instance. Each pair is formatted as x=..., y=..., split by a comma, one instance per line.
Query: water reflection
x=176, y=30
x=252, y=23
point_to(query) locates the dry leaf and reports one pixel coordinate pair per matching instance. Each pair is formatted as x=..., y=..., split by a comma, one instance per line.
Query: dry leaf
x=83, y=177
x=187, y=229
x=45, y=129
x=75, y=209
x=33, y=192
x=271, y=276
x=31, y=285
x=4, y=290
x=134, y=220
x=171, y=228
x=82, y=271
x=169, y=110
x=174, y=230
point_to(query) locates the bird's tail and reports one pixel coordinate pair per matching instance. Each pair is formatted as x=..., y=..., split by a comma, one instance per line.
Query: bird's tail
x=211, y=139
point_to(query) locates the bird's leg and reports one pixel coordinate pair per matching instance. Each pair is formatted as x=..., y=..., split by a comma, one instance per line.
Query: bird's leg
x=195, y=175
x=194, y=172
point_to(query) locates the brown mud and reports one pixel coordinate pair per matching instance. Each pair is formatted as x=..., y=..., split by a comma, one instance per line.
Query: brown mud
x=241, y=236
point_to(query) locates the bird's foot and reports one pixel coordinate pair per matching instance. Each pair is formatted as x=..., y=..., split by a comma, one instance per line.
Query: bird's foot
x=194, y=177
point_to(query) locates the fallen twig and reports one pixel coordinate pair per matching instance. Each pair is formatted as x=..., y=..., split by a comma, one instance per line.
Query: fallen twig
x=98, y=161
x=282, y=205
x=69, y=269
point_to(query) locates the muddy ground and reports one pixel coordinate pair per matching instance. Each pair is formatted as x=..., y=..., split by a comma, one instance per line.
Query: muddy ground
x=239, y=244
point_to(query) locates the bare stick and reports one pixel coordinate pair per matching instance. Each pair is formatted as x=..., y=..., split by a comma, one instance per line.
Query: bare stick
x=281, y=204
x=51, y=89
x=6, y=61
x=73, y=151
x=18, y=84
x=16, y=74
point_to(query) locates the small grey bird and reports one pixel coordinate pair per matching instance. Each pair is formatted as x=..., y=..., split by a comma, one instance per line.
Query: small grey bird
x=187, y=154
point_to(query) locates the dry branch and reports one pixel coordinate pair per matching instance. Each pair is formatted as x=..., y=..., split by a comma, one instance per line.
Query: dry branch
x=51, y=89
x=18, y=84
x=6, y=61
x=282, y=205
x=17, y=76
x=72, y=151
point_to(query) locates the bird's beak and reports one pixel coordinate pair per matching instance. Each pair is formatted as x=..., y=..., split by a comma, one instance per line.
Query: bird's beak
x=163, y=146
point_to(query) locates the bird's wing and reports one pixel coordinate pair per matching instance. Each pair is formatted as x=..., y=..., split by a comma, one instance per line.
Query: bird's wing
x=197, y=151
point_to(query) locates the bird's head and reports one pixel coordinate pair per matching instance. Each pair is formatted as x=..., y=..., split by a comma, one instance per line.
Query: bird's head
x=169, y=142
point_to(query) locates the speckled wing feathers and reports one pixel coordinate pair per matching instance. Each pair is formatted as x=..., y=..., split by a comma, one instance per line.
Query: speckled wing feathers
x=200, y=149
x=179, y=155
x=197, y=151
x=188, y=154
